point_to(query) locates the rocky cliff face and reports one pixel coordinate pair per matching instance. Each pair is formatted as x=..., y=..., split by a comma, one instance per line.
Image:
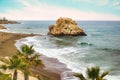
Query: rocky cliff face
x=65, y=26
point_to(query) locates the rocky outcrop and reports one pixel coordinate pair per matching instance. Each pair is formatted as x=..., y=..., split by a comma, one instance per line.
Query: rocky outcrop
x=2, y=27
x=64, y=27
x=5, y=21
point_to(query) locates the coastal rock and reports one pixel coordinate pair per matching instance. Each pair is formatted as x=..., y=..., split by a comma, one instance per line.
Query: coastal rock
x=5, y=21
x=64, y=27
x=2, y=27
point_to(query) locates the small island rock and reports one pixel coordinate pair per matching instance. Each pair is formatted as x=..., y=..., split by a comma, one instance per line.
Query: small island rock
x=64, y=27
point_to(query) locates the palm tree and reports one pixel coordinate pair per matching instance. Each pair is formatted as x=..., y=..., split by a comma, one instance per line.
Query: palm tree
x=30, y=58
x=5, y=76
x=14, y=63
x=93, y=73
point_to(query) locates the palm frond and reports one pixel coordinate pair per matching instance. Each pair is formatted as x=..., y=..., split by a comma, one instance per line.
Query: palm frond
x=79, y=75
x=31, y=47
x=27, y=50
x=104, y=74
x=19, y=53
x=4, y=67
x=93, y=72
x=5, y=60
x=5, y=76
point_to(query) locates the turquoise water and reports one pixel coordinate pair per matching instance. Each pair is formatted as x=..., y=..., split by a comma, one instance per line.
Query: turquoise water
x=101, y=46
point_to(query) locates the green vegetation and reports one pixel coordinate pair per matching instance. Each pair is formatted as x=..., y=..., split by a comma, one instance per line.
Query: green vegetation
x=93, y=73
x=15, y=64
x=5, y=21
x=22, y=61
x=5, y=76
x=30, y=58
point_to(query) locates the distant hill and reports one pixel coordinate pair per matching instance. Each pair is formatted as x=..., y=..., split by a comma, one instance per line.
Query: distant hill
x=5, y=21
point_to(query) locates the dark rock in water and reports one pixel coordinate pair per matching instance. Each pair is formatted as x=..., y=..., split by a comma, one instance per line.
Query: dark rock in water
x=65, y=27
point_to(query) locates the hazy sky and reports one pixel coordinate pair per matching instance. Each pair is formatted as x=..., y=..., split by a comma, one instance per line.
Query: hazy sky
x=53, y=9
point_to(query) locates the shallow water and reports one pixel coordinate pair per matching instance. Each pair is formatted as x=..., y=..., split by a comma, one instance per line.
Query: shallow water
x=101, y=47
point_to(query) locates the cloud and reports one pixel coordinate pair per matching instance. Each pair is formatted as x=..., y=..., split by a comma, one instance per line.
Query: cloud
x=104, y=2
x=116, y=4
x=24, y=2
x=28, y=3
x=95, y=2
x=49, y=12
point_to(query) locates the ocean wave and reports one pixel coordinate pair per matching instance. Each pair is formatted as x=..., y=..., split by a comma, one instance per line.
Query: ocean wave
x=85, y=43
x=55, y=52
x=110, y=77
x=95, y=35
x=68, y=75
x=111, y=50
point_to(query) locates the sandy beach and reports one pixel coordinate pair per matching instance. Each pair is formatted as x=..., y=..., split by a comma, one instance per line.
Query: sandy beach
x=7, y=41
x=53, y=68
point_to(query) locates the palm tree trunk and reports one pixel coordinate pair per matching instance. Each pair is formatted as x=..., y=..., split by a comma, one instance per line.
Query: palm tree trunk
x=26, y=76
x=15, y=75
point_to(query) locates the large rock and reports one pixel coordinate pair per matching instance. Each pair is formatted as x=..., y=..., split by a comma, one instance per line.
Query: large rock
x=65, y=26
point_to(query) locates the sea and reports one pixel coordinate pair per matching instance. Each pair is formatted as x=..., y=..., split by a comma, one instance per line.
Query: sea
x=101, y=46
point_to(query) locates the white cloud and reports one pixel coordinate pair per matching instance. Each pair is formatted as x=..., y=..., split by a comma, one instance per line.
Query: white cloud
x=104, y=2
x=28, y=3
x=89, y=1
x=116, y=4
x=95, y=2
x=24, y=2
x=49, y=12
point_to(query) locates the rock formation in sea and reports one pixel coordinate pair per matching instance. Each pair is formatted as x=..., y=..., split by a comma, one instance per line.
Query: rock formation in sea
x=65, y=27
x=5, y=21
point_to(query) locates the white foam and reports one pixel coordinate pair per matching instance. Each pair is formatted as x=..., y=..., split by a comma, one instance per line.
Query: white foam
x=56, y=53
x=110, y=77
x=4, y=30
x=68, y=75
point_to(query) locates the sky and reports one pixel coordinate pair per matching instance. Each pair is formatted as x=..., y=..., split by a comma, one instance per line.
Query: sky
x=53, y=9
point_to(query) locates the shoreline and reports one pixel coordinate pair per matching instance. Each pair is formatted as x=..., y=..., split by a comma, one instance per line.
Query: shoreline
x=7, y=41
x=53, y=68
